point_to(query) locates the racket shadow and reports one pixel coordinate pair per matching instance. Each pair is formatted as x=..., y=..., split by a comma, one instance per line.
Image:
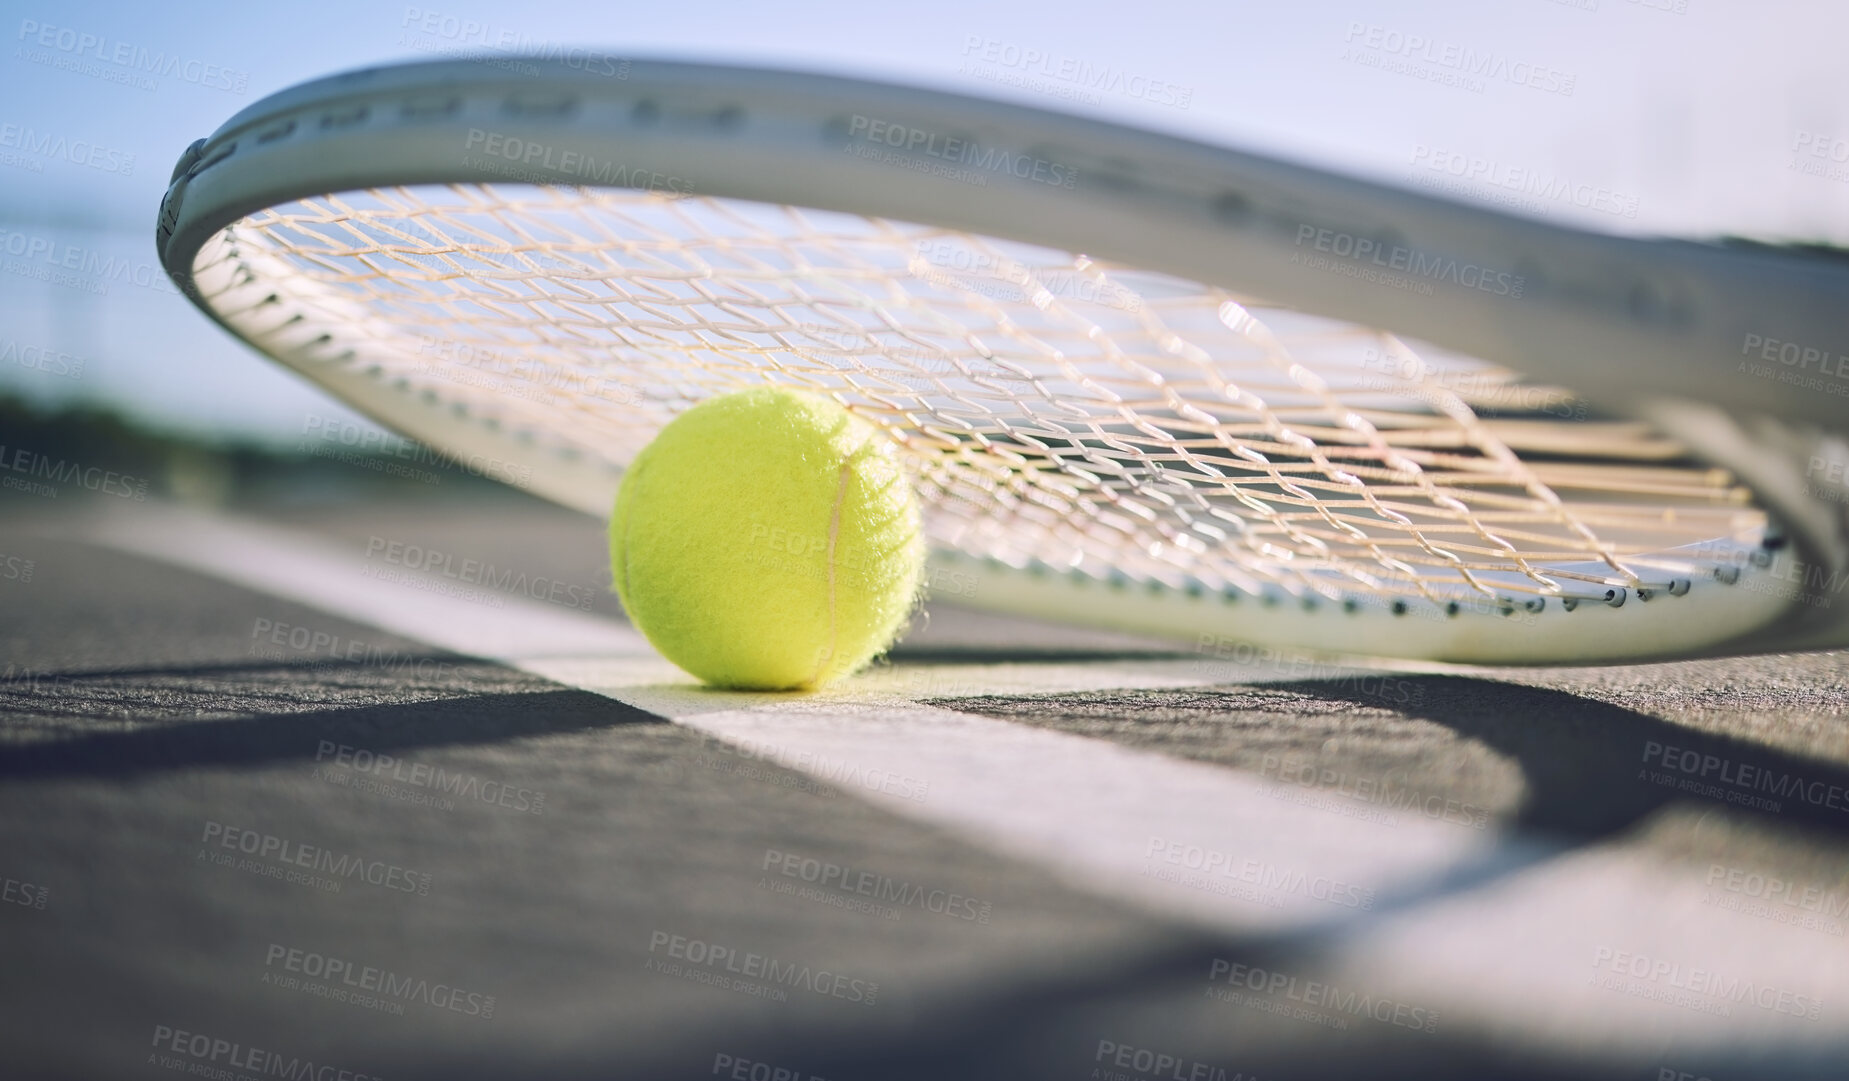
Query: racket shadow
x=1592, y=772
x=1587, y=769
x=1593, y=769
x=263, y=739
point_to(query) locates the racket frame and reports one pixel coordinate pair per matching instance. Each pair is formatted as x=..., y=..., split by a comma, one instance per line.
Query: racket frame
x=1681, y=315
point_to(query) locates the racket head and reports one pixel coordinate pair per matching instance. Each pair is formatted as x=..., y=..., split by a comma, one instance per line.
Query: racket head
x=316, y=223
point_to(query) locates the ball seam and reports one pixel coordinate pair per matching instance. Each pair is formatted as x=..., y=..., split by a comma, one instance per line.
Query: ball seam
x=834, y=531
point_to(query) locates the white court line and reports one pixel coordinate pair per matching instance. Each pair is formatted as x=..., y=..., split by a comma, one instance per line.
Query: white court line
x=1190, y=839
x=1515, y=957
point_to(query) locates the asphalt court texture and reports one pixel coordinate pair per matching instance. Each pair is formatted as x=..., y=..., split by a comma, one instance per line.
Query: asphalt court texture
x=1013, y=851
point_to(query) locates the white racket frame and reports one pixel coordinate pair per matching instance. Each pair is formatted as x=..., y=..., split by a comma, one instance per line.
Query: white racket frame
x=1653, y=328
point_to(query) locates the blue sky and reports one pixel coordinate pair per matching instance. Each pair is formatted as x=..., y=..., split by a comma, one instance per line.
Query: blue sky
x=1684, y=116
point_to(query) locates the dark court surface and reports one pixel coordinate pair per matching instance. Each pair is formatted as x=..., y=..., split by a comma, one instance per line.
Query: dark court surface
x=211, y=865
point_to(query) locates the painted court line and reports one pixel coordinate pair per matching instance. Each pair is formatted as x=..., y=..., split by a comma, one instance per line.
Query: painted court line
x=1193, y=840
x=1173, y=837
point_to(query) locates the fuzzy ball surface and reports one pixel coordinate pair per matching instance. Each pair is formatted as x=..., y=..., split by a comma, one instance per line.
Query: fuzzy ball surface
x=767, y=540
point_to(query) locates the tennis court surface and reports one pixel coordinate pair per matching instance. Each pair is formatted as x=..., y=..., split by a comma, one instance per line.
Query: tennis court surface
x=389, y=789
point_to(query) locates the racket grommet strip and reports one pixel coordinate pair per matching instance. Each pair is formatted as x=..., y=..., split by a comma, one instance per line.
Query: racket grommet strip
x=189, y=158
x=279, y=131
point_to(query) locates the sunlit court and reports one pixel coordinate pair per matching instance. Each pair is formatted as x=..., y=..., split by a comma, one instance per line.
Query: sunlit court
x=1163, y=543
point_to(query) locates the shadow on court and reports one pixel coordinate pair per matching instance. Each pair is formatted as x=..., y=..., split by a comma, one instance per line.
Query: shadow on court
x=452, y=720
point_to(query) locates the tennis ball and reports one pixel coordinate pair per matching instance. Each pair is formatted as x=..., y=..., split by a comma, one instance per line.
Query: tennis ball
x=767, y=540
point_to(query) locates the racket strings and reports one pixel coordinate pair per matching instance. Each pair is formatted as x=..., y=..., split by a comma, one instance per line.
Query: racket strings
x=1060, y=412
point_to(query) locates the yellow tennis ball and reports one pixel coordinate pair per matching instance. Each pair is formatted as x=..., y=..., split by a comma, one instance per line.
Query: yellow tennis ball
x=767, y=540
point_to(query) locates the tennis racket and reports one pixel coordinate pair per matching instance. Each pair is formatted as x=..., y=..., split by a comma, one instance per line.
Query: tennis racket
x=1140, y=382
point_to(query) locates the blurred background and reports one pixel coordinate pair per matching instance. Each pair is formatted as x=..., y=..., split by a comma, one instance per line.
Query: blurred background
x=1688, y=117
